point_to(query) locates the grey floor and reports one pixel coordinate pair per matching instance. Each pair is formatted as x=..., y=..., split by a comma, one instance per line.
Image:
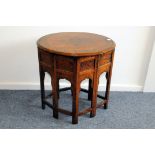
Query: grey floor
x=127, y=110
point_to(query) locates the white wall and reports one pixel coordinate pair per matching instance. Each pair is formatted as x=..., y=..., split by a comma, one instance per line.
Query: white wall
x=19, y=60
x=150, y=79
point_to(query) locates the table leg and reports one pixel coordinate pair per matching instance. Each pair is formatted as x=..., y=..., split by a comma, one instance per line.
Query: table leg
x=90, y=90
x=42, y=87
x=94, y=98
x=58, y=88
x=108, y=77
x=75, y=103
x=71, y=91
x=55, y=97
x=94, y=89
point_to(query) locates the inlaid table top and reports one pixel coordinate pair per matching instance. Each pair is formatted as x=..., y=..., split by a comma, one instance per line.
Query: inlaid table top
x=76, y=43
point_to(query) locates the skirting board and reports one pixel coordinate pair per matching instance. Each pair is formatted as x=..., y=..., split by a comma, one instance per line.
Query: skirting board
x=36, y=86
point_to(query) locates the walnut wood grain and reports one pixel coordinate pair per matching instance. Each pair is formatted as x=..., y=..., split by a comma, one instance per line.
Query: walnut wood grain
x=76, y=43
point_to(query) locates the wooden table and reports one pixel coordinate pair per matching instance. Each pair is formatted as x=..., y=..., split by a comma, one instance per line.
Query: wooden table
x=75, y=56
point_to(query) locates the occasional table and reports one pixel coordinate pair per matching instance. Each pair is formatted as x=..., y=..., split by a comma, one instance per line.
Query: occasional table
x=75, y=56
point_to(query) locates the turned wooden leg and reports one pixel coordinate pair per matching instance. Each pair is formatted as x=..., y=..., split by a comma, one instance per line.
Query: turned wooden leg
x=90, y=90
x=42, y=87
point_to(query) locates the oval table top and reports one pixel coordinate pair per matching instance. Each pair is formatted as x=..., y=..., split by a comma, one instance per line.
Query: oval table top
x=76, y=43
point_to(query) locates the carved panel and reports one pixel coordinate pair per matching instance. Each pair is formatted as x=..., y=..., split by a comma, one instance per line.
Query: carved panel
x=86, y=65
x=105, y=58
x=83, y=77
x=64, y=63
x=104, y=68
x=62, y=75
x=46, y=68
x=45, y=57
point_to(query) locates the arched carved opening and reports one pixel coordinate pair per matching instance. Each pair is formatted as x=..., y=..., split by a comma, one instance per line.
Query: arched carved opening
x=65, y=97
x=64, y=84
x=84, y=95
x=47, y=81
x=84, y=83
x=47, y=85
x=102, y=80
